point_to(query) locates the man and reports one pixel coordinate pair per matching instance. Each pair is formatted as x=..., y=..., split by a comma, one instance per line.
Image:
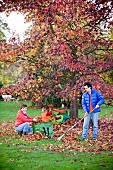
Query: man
x=91, y=102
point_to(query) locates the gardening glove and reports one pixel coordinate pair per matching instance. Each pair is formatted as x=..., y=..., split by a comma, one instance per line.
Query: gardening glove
x=97, y=106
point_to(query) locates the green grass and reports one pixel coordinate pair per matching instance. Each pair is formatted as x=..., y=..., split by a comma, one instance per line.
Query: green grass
x=8, y=111
x=19, y=154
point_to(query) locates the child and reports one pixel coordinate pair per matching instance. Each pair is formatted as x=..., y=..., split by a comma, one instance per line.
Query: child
x=46, y=117
x=62, y=114
x=46, y=114
x=23, y=120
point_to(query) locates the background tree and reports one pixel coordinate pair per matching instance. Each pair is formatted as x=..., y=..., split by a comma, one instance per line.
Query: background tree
x=10, y=69
x=3, y=28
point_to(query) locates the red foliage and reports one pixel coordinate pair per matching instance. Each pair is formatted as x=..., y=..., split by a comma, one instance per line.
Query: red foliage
x=67, y=46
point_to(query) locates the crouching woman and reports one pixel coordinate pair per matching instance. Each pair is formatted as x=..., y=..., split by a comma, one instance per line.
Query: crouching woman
x=23, y=120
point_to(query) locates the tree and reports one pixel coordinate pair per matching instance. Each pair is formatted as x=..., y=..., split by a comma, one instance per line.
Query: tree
x=3, y=27
x=66, y=46
x=9, y=68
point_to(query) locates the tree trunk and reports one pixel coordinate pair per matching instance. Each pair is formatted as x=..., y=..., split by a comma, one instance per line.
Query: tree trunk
x=74, y=108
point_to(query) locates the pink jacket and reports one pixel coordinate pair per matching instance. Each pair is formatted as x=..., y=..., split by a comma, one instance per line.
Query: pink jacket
x=22, y=118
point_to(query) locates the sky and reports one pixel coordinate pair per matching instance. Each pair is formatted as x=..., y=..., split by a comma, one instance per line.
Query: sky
x=16, y=24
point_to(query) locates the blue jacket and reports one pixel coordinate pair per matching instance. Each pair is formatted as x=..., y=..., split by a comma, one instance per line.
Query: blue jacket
x=97, y=98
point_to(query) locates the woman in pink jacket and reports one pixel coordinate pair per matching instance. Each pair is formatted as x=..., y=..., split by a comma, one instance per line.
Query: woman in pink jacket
x=22, y=124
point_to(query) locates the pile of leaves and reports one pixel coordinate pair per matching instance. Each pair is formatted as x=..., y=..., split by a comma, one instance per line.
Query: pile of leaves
x=70, y=141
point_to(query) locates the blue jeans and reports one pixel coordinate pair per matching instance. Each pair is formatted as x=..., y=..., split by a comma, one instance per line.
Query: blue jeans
x=94, y=117
x=64, y=118
x=24, y=127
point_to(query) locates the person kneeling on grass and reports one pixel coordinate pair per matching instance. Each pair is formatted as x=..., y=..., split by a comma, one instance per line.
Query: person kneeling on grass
x=23, y=120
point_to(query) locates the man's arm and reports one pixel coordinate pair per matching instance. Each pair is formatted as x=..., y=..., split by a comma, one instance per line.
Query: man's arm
x=84, y=104
x=100, y=99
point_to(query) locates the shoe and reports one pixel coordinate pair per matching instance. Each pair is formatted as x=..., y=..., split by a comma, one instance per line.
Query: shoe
x=82, y=139
x=94, y=139
x=20, y=133
x=24, y=133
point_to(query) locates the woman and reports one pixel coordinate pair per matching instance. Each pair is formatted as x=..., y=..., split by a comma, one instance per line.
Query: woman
x=23, y=120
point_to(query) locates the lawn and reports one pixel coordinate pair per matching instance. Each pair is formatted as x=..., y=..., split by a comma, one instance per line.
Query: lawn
x=20, y=153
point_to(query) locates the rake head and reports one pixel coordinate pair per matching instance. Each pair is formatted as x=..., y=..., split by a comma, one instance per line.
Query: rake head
x=59, y=138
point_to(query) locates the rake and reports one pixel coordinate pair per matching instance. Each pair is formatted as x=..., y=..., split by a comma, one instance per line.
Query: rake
x=59, y=138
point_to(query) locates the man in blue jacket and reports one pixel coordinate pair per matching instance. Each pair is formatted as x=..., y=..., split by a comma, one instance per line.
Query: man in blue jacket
x=91, y=102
